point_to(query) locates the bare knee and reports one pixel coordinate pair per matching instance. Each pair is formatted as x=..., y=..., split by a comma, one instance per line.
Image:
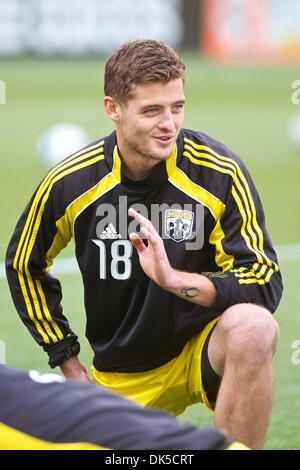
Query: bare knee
x=249, y=334
x=251, y=329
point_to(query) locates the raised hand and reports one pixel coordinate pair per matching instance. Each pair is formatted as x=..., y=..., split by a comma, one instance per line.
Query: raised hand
x=193, y=287
x=153, y=258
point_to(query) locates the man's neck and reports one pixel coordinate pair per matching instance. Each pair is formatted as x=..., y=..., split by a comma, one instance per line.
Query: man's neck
x=134, y=165
x=137, y=172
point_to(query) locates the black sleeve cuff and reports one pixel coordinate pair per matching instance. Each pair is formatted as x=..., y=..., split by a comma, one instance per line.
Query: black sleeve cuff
x=63, y=350
x=228, y=290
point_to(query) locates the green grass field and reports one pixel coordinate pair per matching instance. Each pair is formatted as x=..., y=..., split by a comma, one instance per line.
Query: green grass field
x=246, y=108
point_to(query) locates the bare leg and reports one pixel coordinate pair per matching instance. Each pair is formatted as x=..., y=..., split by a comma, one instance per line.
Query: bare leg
x=241, y=350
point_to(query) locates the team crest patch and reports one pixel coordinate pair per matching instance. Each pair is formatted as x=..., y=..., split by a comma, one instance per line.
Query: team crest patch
x=178, y=224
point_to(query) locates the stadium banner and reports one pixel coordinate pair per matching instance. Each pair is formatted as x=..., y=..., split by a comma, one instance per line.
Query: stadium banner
x=261, y=31
x=78, y=27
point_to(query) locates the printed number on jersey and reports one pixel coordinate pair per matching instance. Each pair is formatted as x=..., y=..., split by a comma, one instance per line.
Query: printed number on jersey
x=120, y=259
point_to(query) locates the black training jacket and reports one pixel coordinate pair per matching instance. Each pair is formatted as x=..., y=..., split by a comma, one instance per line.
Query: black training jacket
x=206, y=208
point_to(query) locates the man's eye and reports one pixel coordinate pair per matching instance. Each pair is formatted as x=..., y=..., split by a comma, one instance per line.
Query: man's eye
x=151, y=110
x=178, y=107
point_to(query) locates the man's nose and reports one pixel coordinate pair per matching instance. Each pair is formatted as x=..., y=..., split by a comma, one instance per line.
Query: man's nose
x=167, y=120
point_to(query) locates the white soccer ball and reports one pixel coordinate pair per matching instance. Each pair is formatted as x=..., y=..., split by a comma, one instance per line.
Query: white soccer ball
x=60, y=141
x=294, y=130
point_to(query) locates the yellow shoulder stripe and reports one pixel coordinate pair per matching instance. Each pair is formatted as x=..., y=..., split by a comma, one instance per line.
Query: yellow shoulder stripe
x=179, y=179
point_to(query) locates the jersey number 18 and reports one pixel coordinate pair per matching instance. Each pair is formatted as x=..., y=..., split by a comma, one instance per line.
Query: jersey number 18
x=120, y=265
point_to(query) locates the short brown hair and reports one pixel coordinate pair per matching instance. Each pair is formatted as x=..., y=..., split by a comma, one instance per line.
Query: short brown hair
x=141, y=61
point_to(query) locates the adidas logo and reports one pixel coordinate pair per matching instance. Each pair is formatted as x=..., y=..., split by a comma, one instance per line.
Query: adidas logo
x=110, y=232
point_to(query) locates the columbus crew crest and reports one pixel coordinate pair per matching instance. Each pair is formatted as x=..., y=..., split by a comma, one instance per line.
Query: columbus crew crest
x=178, y=224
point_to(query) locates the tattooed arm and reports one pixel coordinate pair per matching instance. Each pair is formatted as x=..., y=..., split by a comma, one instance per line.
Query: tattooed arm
x=193, y=287
x=154, y=261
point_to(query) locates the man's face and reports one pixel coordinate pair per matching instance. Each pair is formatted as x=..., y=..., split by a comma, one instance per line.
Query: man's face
x=150, y=121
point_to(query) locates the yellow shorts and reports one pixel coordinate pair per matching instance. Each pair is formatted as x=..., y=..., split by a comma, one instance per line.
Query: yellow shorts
x=171, y=387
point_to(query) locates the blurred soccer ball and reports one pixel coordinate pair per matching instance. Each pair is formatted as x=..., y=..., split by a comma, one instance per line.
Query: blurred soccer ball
x=60, y=141
x=294, y=130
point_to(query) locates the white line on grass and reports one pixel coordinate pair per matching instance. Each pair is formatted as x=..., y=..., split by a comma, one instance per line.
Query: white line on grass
x=285, y=253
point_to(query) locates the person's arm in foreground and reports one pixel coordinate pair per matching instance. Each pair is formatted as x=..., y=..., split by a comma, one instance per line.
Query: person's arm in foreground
x=46, y=412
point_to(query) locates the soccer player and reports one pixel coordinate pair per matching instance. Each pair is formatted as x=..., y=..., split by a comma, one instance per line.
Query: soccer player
x=47, y=412
x=180, y=299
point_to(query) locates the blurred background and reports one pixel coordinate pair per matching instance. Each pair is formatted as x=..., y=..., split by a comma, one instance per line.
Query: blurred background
x=243, y=88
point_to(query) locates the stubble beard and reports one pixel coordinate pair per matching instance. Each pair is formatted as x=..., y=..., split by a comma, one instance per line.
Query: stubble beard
x=146, y=154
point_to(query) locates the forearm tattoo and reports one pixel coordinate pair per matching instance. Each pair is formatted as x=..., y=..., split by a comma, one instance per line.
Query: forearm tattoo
x=190, y=292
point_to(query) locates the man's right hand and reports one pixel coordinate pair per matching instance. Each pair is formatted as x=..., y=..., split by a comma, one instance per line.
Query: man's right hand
x=73, y=369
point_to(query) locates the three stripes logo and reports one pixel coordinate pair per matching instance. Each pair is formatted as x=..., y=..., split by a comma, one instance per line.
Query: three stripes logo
x=110, y=232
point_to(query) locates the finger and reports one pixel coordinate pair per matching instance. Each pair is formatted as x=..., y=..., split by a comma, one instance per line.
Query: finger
x=152, y=238
x=137, y=242
x=143, y=220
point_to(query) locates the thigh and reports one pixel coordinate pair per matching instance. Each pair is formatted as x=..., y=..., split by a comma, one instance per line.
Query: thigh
x=141, y=387
x=171, y=387
x=164, y=388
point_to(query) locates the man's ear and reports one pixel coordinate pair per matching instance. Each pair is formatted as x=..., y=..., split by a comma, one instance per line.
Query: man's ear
x=112, y=108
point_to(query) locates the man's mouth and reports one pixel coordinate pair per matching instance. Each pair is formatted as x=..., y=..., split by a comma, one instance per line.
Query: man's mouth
x=164, y=139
